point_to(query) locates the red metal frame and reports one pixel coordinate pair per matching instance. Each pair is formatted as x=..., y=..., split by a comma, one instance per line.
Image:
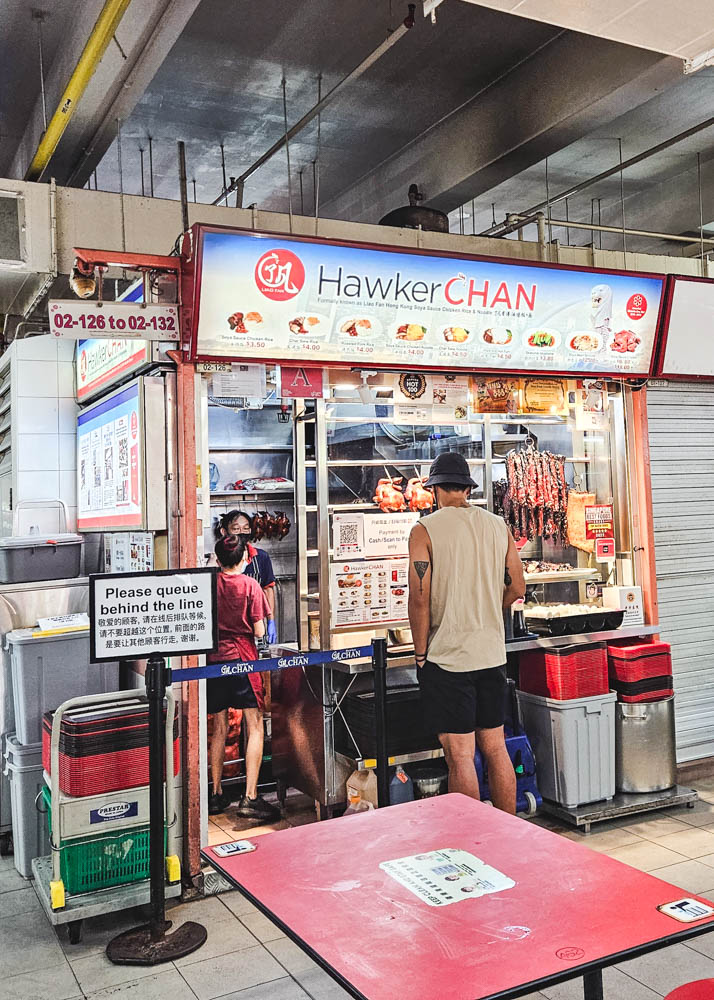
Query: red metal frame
x=132, y=261
x=199, y=229
x=668, y=300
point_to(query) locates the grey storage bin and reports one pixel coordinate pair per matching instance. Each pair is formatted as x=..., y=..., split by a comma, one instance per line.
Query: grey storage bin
x=645, y=749
x=29, y=826
x=37, y=555
x=47, y=671
x=30, y=558
x=574, y=746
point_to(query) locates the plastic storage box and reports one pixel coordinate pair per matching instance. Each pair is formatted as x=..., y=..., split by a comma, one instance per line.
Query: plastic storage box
x=102, y=749
x=574, y=744
x=48, y=670
x=90, y=863
x=30, y=558
x=641, y=672
x=565, y=672
x=29, y=829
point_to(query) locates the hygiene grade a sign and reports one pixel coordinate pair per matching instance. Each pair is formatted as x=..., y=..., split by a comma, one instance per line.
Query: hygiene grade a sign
x=273, y=298
x=167, y=612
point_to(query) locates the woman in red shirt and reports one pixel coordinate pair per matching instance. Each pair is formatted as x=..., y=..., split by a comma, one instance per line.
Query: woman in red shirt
x=242, y=609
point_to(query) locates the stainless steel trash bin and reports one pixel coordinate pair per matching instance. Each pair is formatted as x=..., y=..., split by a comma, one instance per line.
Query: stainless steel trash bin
x=645, y=757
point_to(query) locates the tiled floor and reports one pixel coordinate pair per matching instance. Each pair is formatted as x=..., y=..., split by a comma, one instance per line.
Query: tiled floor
x=247, y=958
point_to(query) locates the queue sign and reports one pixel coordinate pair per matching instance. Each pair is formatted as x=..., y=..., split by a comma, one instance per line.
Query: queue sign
x=78, y=319
x=136, y=615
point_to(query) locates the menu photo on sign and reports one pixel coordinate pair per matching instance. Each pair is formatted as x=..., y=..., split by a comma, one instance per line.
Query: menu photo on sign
x=271, y=297
x=167, y=612
x=369, y=591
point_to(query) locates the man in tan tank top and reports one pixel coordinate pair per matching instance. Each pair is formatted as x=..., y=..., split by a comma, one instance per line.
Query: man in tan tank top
x=464, y=569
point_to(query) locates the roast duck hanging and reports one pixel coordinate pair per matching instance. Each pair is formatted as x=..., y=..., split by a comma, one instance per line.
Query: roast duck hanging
x=271, y=526
x=388, y=496
x=418, y=496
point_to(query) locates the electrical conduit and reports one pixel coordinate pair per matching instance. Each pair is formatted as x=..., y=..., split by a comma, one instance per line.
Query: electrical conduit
x=102, y=33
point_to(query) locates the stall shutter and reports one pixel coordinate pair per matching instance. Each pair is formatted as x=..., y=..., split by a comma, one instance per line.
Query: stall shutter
x=681, y=432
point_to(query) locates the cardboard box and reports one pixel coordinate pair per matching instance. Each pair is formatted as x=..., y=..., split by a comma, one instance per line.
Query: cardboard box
x=627, y=598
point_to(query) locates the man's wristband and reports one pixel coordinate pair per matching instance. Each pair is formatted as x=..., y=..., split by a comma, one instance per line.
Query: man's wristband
x=420, y=656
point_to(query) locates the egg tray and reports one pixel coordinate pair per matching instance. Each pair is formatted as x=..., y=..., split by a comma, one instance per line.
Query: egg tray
x=605, y=621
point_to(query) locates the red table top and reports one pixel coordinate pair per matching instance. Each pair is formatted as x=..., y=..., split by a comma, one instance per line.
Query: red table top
x=570, y=907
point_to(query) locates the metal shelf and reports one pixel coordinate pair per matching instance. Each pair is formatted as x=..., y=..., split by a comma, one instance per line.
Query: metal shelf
x=248, y=447
x=367, y=763
x=564, y=576
x=262, y=495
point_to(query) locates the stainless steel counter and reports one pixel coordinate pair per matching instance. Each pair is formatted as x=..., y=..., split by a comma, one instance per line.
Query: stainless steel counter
x=403, y=656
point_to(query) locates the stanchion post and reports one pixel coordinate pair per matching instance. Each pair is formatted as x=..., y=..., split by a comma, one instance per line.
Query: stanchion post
x=157, y=677
x=379, y=666
x=151, y=945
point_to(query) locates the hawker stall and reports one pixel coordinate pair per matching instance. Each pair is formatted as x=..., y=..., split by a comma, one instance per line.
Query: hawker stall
x=371, y=361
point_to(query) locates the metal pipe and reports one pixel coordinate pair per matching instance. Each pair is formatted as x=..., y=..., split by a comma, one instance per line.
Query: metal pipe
x=100, y=37
x=183, y=185
x=223, y=169
x=503, y=230
x=121, y=186
x=622, y=204
x=540, y=220
x=356, y=73
x=287, y=152
x=39, y=16
x=141, y=153
x=316, y=161
x=617, y=230
x=701, y=214
x=151, y=166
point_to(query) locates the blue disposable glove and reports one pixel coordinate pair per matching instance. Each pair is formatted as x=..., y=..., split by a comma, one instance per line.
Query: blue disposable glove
x=272, y=632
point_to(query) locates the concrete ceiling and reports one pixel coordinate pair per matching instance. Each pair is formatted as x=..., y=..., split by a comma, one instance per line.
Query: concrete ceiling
x=468, y=107
x=222, y=83
x=684, y=29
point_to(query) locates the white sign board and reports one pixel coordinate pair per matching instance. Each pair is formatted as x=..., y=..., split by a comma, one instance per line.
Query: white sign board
x=169, y=612
x=689, y=348
x=82, y=318
x=388, y=534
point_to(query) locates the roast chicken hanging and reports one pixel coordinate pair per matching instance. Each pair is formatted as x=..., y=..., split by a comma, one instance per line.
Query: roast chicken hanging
x=418, y=496
x=388, y=496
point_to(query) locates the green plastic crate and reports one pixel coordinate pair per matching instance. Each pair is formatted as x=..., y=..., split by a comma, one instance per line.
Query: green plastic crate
x=89, y=863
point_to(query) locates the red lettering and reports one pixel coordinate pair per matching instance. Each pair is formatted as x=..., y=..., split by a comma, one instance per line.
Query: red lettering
x=474, y=294
x=502, y=296
x=447, y=292
x=522, y=293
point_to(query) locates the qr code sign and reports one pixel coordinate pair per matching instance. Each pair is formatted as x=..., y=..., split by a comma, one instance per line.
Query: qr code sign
x=349, y=535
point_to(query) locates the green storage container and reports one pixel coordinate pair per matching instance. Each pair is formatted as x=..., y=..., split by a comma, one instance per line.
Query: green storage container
x=90, y=863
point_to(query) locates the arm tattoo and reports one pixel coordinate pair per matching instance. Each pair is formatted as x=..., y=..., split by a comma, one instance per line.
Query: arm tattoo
x=507, y=581
x=420, y=567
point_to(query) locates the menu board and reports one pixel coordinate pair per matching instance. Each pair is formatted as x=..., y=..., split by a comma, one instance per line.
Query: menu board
x=99, y=363
x=369, y=591
x=109, y=462
x=276, y=298
x=689, y=336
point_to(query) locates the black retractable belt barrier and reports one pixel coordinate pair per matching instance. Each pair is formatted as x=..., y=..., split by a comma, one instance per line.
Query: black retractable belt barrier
x=150, y=944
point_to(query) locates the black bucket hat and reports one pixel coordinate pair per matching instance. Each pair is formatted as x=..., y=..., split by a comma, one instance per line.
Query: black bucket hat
x=450, y=467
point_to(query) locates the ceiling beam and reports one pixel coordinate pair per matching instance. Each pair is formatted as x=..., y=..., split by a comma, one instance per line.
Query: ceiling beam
x=145, y=38
x=562, y=92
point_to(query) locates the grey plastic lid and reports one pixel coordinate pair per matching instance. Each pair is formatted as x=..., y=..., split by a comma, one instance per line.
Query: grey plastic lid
x=20, y=635
x=38, y=541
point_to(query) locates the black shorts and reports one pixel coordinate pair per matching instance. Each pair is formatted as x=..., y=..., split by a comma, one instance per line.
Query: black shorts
x=229, y=692
x=461, y=702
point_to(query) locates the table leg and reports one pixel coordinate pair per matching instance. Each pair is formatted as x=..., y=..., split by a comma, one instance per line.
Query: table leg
x=592, y=985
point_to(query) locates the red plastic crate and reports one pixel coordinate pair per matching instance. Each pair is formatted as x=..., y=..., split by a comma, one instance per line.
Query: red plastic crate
x=102, y=755
x=642, y=672
x=565, y=672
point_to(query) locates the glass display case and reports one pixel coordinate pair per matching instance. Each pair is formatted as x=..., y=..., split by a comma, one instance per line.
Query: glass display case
x=552, y=459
